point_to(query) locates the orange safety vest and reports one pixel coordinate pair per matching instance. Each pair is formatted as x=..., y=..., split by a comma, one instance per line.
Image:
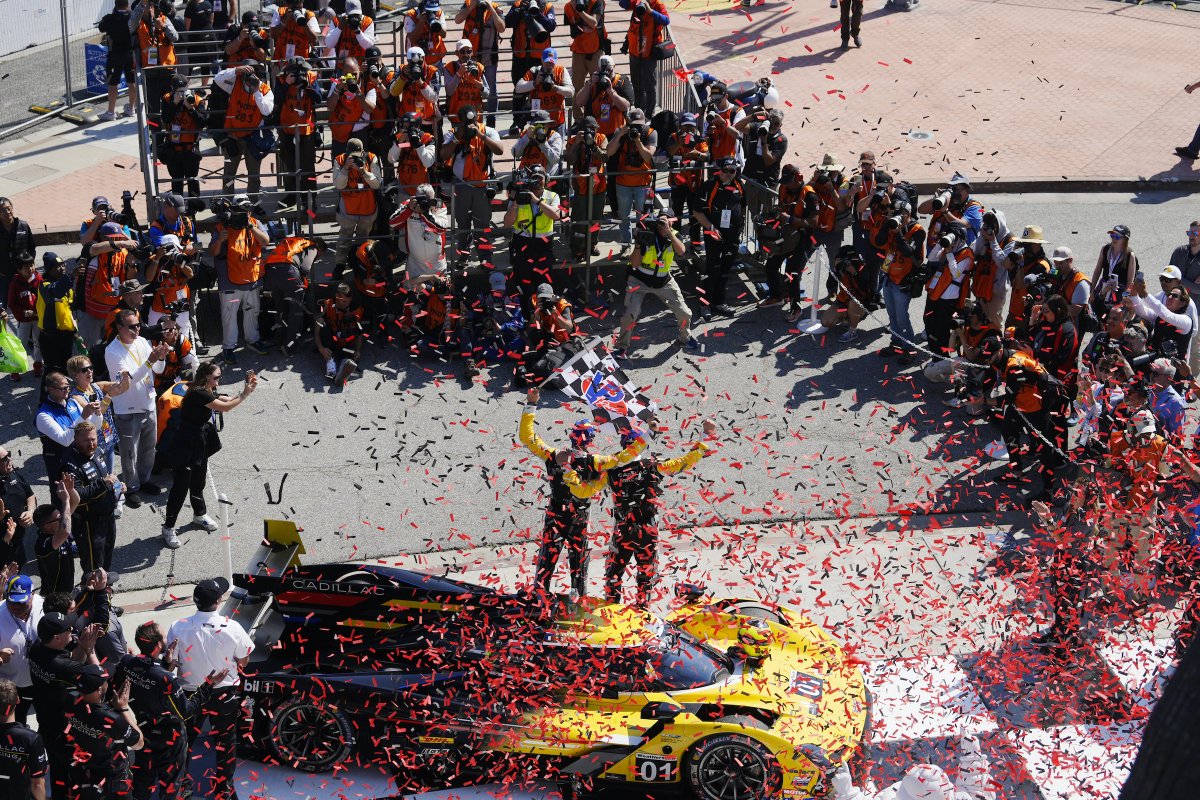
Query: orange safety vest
x=896, y=266
x=534, y=156
x=339, y=320
x=1143, y=463
x=373, y=283
x=348, y=46
x=358, y=197
x=476, y=160
x=296, y=114
x=155, y=51
x=1069, y=287
x=185, y=126
x=1029, y=396
x=382, y=110
x=608, y=118
x=550, y=101
x=172, y=363
x=691, y=178
x=167, y=403
x=983, y=276
x=286, y=251
x=645, y=33
x=599, y=182
x=588, y=41
x=945, y=278
x=470, y=29
x=631, y=169
x=243, y=111
x=172, y=288
x=469, y=91
x=246, y=50
x=411, y=98
x=522, y=42
x=826, y=207
x=243, y=255
x=292, y=38
x=345, y=115
x=722, y=143
x=410, y=172
x=103, y=286
x=1016, y=300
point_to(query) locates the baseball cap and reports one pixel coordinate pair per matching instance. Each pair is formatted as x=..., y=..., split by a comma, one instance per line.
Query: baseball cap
x=51, y=259
x=607, y=61
x=170, y=242
x=1171, y=272
x=210, y=591
x=111, y=229
x=464, y=44
x=241, y=200
x=540, y=117
x=549, y=54
x=175, y=200
x=415, y=54
x=958, y=178
x=497, y=281
x=91, y=677
x=100, y=200
x=372, y=53
x=545, y=291
x=20, y=589
x=51, y=625
x=1062, y=253
x=688, y=118
x=1143, y=422
x=1120, y=230
x=132, y=285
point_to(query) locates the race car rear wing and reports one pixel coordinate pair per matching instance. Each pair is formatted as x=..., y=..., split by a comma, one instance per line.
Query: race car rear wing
x=279, y=551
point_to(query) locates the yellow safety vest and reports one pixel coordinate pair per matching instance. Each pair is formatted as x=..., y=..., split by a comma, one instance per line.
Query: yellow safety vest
x=530, y=224
x=657, y=264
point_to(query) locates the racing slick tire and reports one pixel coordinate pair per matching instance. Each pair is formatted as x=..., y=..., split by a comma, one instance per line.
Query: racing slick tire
x=733, y=766
x=309, y=737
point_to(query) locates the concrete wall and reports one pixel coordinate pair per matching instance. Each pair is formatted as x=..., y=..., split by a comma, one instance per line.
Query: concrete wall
x=28, y=23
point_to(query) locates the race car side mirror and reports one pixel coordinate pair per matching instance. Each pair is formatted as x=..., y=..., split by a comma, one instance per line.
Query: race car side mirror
x=661, y=710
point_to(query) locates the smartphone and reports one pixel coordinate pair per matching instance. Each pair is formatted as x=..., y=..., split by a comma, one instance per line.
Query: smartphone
x=1140, y=277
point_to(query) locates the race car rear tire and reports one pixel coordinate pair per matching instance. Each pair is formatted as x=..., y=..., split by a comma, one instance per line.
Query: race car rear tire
x=733, y=766
x=309, y=737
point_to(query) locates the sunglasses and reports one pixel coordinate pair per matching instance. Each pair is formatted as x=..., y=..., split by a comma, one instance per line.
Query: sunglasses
x=728, y=170
x=5, y=459
x=1193, y=233
x=1167, y=280
x=133, y=326
x=61, y=388
x=169, y=330
x=87, y=368
x=1115, y=236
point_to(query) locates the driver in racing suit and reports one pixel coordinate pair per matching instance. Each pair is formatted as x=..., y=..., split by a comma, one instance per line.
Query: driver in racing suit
x=636, y=489
x=567, y=515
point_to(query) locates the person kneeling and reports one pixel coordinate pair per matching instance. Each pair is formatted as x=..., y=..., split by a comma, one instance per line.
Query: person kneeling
x=340, y=335
x=848, y=271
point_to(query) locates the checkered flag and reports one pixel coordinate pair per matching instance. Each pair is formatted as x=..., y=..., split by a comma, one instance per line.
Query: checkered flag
x=617, y=404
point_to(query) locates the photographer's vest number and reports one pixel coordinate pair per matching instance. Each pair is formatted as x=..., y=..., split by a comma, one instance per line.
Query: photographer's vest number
x=347, y=112
x=411, y=95
x=243, y=255
x=469, y=91
x=157, y=49
x=296, y=113
x=548, y=100
x=530, y=222
x=243, y=110
x=358, y=198
x=184, y=127
x=292, y=38
x=410, y=172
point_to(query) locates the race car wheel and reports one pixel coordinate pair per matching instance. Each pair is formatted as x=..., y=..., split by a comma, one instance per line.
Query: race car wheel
x=733, y=766
x=309, y=737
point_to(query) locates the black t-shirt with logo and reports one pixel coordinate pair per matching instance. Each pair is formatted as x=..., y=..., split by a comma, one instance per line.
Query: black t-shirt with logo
x=725, y=206
x=56, y=565
x=15, y=491
x=755, y=148
x=22, y=758
x=98, y=738
x=54, y=673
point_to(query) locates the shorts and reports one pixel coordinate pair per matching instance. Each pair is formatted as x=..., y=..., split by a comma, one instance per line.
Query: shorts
x=117, y=65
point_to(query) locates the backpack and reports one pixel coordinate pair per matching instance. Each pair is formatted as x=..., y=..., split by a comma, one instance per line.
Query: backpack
x=909, y=190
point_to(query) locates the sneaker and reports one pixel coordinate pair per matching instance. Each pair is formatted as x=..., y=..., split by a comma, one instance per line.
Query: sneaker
x=127, y=111
x=691, y=345
x=857, y=41
x=889, y=351
x=706, y=314
x=997, y=450
x=257, y=347
x=206, y=522
x=955, y=402
x=723, y=310
x=133, y=501
x=330, y=369
x=229, y=358
x=794, y=315
x=621, y=354
x=344, y=372
x=767, y=302
x=845, y=44
x=109, y=116
x=1182, y=152
x=150, y=488
x=169, y=537
x=849, y=336
x=471, y=369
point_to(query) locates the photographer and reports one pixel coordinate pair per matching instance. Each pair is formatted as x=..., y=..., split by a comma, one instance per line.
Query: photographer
x=295, y=30
x=547, y=89
x=466, y=83
x=1074, y=288
x=832, y=197
x=494, y=327
x=340, y=335
x=532, y=22
x=954, y=206
x=588, y=38
x=156, y=37
x=415, y=88
x=236, y=247
x=413, y=153
x=180, y=359
x=971, y=327
x=721, y=212
x=606, y=97
x=425, y=28
x=102, y=212
x=1027, y=264
x=183, y=116
x=250, y=103
x=350, y=35
x=482, y=25
x=721, y=119
x=786, y=241
x=299, y=96
x=647, y=30
x=169, y=274
x=173, y=220
x=989, y=278
x=849, y=271
x=1116, y=268
x=532, y=212
x=688, y=152
x=286, y=276
x=247, y=42
x=357, y=175
x=631, y=153
x=469, y=146
x=100, y=284
x=540, y=144
x=425, y=221
x=374, y=284
x=902, y=242
x=118, y=26
x=586, y=159
x=650, y=274
x=1033, y=403
x=551, y=326
x=765, y=145
x=350, y=103
x=950, y=259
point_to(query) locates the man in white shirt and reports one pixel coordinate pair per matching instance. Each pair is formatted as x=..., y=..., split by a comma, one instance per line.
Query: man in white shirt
x=137, y=422
x=201, y=644
x=18, y=630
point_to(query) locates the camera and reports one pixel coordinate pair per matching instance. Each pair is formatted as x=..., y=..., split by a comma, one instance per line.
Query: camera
x=373, y=71
x=581, y=5
x=352, y=22
x=894, y=223
x=1168, y=348
x=238, y=219
x=349, y=84
x=252, y=82
x=424, y=202
x=947, y=241
x=637, y=131
x=358, y=161
x=1037, y=287
x=299, y=17
x=546, y=79
x=940, y=200
x=472, y=68
x=189, y=98
x=414, y=135
x=589, y=138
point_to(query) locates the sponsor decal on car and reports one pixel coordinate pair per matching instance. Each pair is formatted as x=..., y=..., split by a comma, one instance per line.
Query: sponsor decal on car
x=655, y=768
x=335, y=587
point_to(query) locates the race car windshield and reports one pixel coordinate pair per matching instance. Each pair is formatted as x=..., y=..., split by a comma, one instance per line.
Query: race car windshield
x=682, y=661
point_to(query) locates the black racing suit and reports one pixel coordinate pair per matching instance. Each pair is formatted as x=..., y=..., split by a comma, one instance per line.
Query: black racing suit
x=99, y=739
x=635, y=488
x=566, y=524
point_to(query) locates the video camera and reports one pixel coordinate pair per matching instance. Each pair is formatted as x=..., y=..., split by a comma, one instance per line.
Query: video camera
x=234, y=217
x=523, y=187
x=647, y=230
x=1038, y=286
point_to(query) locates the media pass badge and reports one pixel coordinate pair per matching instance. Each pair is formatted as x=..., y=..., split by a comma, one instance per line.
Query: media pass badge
x=655, y=768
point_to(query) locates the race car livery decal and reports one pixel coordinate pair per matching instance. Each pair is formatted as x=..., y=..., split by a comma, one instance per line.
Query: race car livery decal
x=654, y=768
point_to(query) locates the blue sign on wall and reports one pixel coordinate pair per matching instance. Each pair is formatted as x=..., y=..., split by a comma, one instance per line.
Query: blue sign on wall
x=94, y=56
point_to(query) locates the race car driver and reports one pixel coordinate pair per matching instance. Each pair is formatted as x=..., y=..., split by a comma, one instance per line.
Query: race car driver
x=636, y=487
x=567, y=515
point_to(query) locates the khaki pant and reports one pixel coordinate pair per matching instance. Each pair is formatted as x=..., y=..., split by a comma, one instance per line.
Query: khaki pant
x=1134, y=530
x=997, y=308
x=834, y=315
x=582, y=66
x=670, y=295
x=353, y=230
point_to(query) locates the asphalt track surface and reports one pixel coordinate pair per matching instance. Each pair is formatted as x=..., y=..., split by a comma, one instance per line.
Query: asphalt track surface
x=411, y=458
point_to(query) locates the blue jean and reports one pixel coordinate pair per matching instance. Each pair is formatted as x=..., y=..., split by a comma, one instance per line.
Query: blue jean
x=630, y=200
x=896, y=300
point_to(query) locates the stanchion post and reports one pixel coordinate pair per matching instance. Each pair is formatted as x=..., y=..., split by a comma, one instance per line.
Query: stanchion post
x=66, y=52
x=813, y=326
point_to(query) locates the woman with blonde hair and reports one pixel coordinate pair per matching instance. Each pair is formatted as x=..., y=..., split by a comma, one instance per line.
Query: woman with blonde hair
x=94, y=401
x=1115, y=270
